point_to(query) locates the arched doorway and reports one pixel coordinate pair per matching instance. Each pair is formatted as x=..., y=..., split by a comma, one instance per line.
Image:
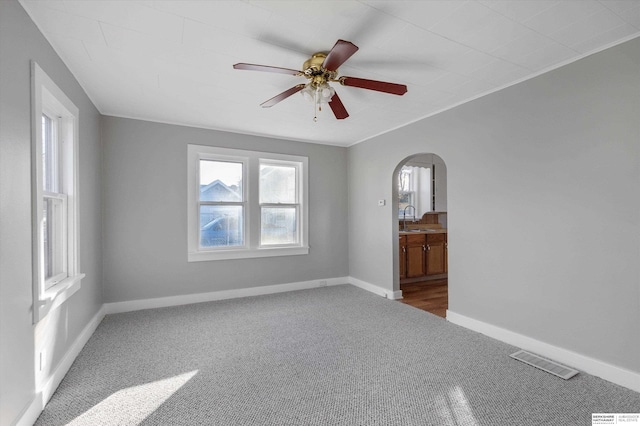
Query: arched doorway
x=420, y=216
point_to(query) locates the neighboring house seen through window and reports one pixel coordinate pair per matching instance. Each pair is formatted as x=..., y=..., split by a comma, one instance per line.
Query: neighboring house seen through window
x=221, y=204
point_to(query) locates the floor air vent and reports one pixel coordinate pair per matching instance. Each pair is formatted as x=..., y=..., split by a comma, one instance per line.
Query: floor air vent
x=544, y=364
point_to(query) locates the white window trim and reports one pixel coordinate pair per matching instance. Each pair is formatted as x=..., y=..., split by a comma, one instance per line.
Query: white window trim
x=252, y=246
x=47, y=96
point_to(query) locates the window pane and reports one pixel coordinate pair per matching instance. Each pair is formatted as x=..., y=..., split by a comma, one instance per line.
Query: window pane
x=220, y=181
x=49, y=156
x=277, y=184
x=47, y=239
x=279, y=225
x=405, y=181
x=53, y=238
x=221, y=226
x=405, y=199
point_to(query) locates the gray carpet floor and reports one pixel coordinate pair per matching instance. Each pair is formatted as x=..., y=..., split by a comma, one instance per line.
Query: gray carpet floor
x=328, y=356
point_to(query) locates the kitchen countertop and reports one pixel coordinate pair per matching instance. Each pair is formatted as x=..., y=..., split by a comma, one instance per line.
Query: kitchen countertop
x=424, y=231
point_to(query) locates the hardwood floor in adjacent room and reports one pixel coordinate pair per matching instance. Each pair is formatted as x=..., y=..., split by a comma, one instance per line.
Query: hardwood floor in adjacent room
x=430, y=296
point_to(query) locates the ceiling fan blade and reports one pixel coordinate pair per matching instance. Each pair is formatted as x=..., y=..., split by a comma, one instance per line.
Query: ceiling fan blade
x=341, y=51
x=380, y=86
x=282, y=96
x=338, y=108
x=266, y=68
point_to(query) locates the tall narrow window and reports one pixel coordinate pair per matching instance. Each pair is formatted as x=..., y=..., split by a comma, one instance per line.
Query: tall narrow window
x=56, y=269
x=415, y=190
x=406, y=192
x=54, y=236
x=279, y=203
x=221, y=204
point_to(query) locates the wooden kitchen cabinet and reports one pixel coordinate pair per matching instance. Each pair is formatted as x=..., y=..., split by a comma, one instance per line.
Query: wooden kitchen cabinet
x=446, y=253
x=435, y=254
x=416, y=259
x=402, y=244
x=422, y=256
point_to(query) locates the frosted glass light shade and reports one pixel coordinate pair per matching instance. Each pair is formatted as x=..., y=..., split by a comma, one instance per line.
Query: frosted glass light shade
x=322, y=94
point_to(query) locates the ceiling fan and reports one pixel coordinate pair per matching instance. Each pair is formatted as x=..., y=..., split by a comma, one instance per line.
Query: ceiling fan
x=321, y=69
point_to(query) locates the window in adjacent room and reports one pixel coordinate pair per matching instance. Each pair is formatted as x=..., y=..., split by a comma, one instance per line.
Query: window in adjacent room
x=415, y=188
x=55, y=195
x=244, y=204
x=406, y=192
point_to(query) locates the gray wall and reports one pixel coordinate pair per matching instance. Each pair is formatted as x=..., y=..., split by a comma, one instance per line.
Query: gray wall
x=145, y=199
x=21, y=41
x=544, y=212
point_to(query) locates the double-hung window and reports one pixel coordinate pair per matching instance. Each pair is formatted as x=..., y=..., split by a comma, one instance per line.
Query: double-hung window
x=279, y=202
x=56, y=270
x=244, y=204
x=406, y=192
x=54, y=200
x=221, y=202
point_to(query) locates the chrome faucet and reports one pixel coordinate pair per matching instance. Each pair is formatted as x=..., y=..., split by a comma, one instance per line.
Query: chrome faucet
x=404, y=216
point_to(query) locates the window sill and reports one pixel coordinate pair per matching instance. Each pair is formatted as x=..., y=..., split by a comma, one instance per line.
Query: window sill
x=56, y=295
x=201, y=256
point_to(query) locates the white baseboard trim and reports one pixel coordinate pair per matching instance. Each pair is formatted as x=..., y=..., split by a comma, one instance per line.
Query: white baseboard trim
x=396, y=295
x=163, y=302
x=595, y=367
x=30, y=413
x=389, y=294
x=72, y=353
x=44, y=394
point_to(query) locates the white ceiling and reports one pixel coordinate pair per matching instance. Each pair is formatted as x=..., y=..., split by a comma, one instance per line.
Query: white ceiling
x=171, y=61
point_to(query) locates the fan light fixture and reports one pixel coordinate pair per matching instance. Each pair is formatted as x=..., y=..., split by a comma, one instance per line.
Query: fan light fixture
x=320, y=69
x=318, y=94
x=318, y=90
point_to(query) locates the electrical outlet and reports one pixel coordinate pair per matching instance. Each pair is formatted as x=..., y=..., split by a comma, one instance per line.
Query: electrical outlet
x=323, y=283
x=381, y=203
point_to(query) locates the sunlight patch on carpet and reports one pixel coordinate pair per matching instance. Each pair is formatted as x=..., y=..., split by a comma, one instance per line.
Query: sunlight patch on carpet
x=132, y=405
x=454, y=409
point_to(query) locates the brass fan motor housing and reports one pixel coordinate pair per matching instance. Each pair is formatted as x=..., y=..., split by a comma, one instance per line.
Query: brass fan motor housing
x=314, y=71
